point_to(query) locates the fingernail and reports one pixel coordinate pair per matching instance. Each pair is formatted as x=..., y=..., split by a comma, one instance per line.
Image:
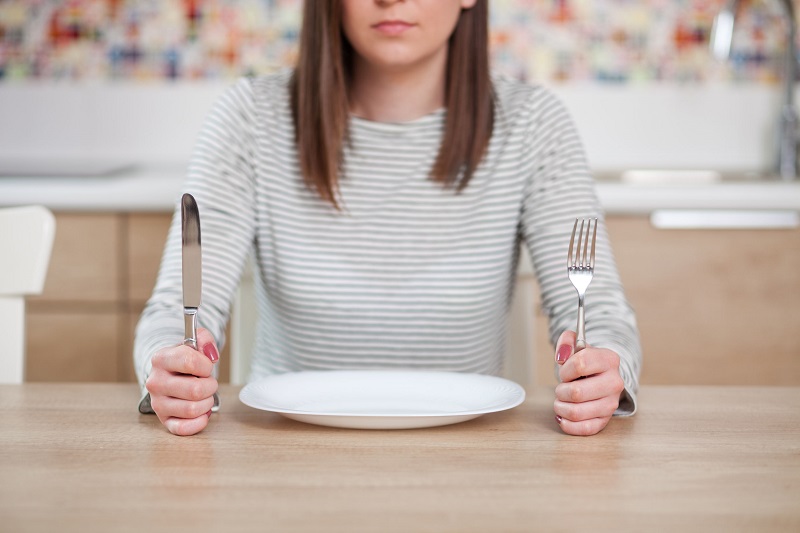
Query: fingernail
x=211, y=352
x=559, y=419
x=208, y=414
x=563, y=353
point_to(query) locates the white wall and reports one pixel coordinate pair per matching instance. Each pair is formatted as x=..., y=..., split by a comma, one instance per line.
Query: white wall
x=720, y=126
x=139, y=122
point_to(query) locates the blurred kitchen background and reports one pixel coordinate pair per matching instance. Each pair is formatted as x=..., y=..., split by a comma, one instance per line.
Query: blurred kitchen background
x=101, y=101
x=609, y=41
x=86, y=79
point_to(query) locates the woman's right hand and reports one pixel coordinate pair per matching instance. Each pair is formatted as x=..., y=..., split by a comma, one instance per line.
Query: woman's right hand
x=181, y=386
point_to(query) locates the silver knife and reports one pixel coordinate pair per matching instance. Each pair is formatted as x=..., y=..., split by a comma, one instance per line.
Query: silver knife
x=191, y=264
x=192, y=268
x=192, y=275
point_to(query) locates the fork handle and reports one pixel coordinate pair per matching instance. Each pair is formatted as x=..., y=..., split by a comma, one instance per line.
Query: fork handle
x=580, y=342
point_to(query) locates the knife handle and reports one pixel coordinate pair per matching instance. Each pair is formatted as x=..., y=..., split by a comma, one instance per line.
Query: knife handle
x=190, y=327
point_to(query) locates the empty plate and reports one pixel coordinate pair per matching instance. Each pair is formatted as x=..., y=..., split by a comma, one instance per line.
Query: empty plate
x=379, y=399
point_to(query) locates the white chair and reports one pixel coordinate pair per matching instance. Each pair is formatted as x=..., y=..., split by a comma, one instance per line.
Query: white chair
x=26, y=240
x=519, y=363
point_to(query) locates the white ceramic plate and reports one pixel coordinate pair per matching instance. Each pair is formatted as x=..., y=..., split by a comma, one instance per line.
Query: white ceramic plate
x=375, y=399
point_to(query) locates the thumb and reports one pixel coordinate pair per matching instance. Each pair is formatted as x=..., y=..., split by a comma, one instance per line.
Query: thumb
x=565, y=346
x=206, y=344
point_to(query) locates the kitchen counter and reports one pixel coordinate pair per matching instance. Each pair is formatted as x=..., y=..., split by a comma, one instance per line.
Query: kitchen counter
x=138, y=189
x=79, y=457
x=624, y=198
x=156, y=189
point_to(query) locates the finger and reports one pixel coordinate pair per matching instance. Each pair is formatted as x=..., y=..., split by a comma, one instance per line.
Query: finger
x=167, y=407
x=207, y=345
x=592, y=388
x=186, y=426
x=583, y=428
x=588, y=362
x=183, y=360
x=182, y=387
x=565, y=346
x=576, y=412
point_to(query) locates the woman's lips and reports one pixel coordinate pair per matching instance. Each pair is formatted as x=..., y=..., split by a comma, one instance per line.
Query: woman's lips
x=393, y=27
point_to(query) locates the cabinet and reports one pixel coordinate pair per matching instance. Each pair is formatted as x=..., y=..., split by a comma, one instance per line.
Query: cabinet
x=102, y=270
x=715, y=307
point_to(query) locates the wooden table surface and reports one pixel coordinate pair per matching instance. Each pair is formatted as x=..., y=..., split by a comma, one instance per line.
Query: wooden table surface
x=78, y=457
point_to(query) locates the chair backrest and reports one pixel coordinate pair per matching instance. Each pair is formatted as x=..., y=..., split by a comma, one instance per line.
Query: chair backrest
x=26, y=240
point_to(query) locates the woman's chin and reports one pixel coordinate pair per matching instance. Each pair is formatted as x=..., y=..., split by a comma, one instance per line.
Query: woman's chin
x=396, y=62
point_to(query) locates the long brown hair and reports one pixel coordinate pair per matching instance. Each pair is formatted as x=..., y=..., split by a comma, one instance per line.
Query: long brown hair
x=320, y=99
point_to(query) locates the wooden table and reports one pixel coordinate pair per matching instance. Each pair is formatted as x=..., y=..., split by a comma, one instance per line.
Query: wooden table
x=78, y=457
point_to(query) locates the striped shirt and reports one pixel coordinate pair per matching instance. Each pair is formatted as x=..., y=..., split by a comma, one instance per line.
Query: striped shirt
x=408, y=274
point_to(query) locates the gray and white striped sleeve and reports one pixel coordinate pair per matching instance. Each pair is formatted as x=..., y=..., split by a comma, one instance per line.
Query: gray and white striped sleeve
x=221, y=177
x=561, y=189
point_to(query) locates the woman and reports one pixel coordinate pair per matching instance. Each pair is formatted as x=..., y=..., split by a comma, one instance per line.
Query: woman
x=385, y=185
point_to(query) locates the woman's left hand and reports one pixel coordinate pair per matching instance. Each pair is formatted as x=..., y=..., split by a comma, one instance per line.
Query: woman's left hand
x=590, y=387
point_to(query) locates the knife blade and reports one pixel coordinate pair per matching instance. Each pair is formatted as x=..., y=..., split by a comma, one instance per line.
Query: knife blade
x=191, y=265
x=192, y=274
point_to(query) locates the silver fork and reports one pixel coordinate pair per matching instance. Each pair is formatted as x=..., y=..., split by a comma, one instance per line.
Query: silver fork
x=580, y=268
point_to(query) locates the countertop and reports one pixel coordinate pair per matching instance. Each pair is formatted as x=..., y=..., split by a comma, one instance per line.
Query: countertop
x=139, y=188
x=78, y=457
x=156, y=188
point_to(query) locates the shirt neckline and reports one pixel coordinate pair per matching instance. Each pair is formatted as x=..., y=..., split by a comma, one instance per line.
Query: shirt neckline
x=410, y=126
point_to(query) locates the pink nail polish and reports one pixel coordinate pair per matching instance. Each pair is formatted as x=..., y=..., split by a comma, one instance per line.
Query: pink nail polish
x=208, y=414
x=563, y=353
x=559, y=419
x=211, y=352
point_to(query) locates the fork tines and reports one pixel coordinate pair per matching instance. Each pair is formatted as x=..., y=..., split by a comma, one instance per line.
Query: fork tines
x=582, y=257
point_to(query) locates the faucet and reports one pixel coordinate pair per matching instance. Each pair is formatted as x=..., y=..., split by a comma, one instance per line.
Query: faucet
x=721, y=40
